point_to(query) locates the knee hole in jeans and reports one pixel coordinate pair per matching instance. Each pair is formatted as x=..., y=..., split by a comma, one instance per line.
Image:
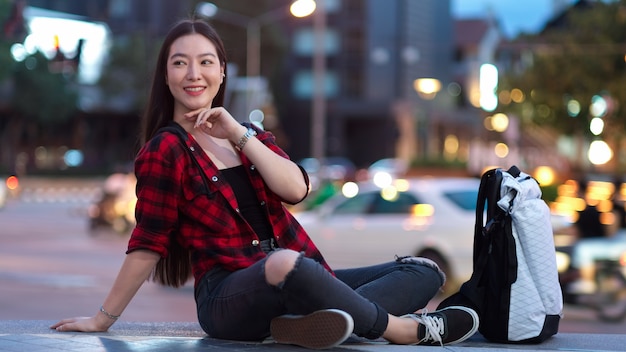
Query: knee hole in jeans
x=279, y=264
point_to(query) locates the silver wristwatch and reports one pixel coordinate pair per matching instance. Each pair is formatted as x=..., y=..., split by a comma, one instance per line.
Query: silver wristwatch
x=245, y=138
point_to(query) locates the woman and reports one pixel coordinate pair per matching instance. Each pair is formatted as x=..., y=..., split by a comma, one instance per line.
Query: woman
x=210, y=201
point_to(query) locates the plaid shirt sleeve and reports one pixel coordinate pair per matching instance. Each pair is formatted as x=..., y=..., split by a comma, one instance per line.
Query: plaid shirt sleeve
x=158, y=189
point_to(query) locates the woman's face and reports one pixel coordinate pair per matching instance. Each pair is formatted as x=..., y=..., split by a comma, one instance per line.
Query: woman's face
x=194, y=73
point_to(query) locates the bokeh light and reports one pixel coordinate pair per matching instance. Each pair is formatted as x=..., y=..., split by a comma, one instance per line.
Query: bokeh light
x=517, y=95
x=500, y=122
x=501, y=150
x=545, y=175
x=598, y=107
x=573, y=107
x=599, y=153
x=349, y=189
x=596, y=126
x=302, y=8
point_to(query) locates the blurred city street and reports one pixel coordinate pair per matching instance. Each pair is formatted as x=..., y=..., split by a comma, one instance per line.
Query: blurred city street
x=383, y=91
x=53, y=267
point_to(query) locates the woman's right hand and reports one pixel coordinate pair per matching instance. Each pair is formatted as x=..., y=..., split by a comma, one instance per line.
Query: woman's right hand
x=216, y=122
x=135, y=270
x=82, y=324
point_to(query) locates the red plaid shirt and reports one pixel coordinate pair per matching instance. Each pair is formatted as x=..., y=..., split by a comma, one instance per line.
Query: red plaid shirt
x=173, y=204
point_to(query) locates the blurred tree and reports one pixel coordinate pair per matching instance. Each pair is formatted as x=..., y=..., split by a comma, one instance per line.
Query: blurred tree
x=10, y=32
x=6, y=70
x=48, y=97
x=37, y=93
x=126, y=77
x=578, y=55
x=35, y=101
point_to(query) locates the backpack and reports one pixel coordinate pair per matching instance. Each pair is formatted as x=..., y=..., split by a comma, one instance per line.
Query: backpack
x=514, y=286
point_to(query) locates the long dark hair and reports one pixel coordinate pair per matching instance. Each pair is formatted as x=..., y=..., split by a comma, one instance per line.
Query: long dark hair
x=175, y=269
x=160, y=109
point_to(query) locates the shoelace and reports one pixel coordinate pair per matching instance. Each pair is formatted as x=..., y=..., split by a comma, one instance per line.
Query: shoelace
x=434, y=328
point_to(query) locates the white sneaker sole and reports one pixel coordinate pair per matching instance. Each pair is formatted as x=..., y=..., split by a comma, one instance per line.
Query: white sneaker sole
x=319, y=330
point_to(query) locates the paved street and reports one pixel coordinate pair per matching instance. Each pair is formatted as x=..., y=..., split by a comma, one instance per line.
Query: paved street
x=51, y=267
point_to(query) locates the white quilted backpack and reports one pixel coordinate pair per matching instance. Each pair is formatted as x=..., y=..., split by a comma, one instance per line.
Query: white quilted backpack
x=514, y=286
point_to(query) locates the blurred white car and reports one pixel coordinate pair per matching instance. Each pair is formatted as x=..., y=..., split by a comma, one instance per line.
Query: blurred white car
x=428, y=217
x=4, y=192
x=332, y=168
x=392, y=166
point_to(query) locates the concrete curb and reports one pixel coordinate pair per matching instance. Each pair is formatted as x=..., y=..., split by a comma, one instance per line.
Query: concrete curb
x=35, y=335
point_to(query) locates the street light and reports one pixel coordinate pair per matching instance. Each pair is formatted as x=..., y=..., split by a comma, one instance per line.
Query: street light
x=427, y=89
x=299, y=8
x=318, y=106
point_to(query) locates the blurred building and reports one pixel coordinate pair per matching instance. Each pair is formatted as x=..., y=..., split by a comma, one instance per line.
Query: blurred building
x=375, y=50
x=77, y=37
x=124, y=16
x=401, y=78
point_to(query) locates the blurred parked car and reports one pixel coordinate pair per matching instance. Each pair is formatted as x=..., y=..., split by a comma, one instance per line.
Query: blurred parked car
x=393, y=167
x=428, y=217
x=333, y=168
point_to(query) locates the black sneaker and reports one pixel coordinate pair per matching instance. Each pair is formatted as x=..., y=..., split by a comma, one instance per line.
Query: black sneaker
x=445, y=326
x=319, y=330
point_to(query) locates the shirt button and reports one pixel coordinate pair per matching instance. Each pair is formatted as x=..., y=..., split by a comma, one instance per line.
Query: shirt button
x=262, y=202
x=214, y=178
x=192, y=149
x=255, y=242
x=237, y=210
x=252, y=167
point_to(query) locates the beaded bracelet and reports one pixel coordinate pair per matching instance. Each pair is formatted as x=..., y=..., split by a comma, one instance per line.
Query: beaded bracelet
x=109, y=315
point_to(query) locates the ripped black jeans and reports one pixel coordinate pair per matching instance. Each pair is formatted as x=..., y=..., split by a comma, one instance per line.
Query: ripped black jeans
x=240, y=305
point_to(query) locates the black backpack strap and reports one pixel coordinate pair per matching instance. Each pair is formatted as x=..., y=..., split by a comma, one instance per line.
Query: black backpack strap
x=481, y=201
x=514, y=171
x=471, y=293
x=488, y=195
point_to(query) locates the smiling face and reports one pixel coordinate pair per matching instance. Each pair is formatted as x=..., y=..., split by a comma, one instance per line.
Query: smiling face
x=194, y=73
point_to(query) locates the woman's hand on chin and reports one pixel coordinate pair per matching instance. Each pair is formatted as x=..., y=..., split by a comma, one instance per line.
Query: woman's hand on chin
x=216, y=122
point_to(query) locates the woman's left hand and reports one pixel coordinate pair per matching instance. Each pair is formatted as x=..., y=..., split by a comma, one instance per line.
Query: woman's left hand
x=216, y=122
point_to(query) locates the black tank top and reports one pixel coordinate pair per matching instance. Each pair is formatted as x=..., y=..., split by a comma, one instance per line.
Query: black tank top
x=249, y=204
